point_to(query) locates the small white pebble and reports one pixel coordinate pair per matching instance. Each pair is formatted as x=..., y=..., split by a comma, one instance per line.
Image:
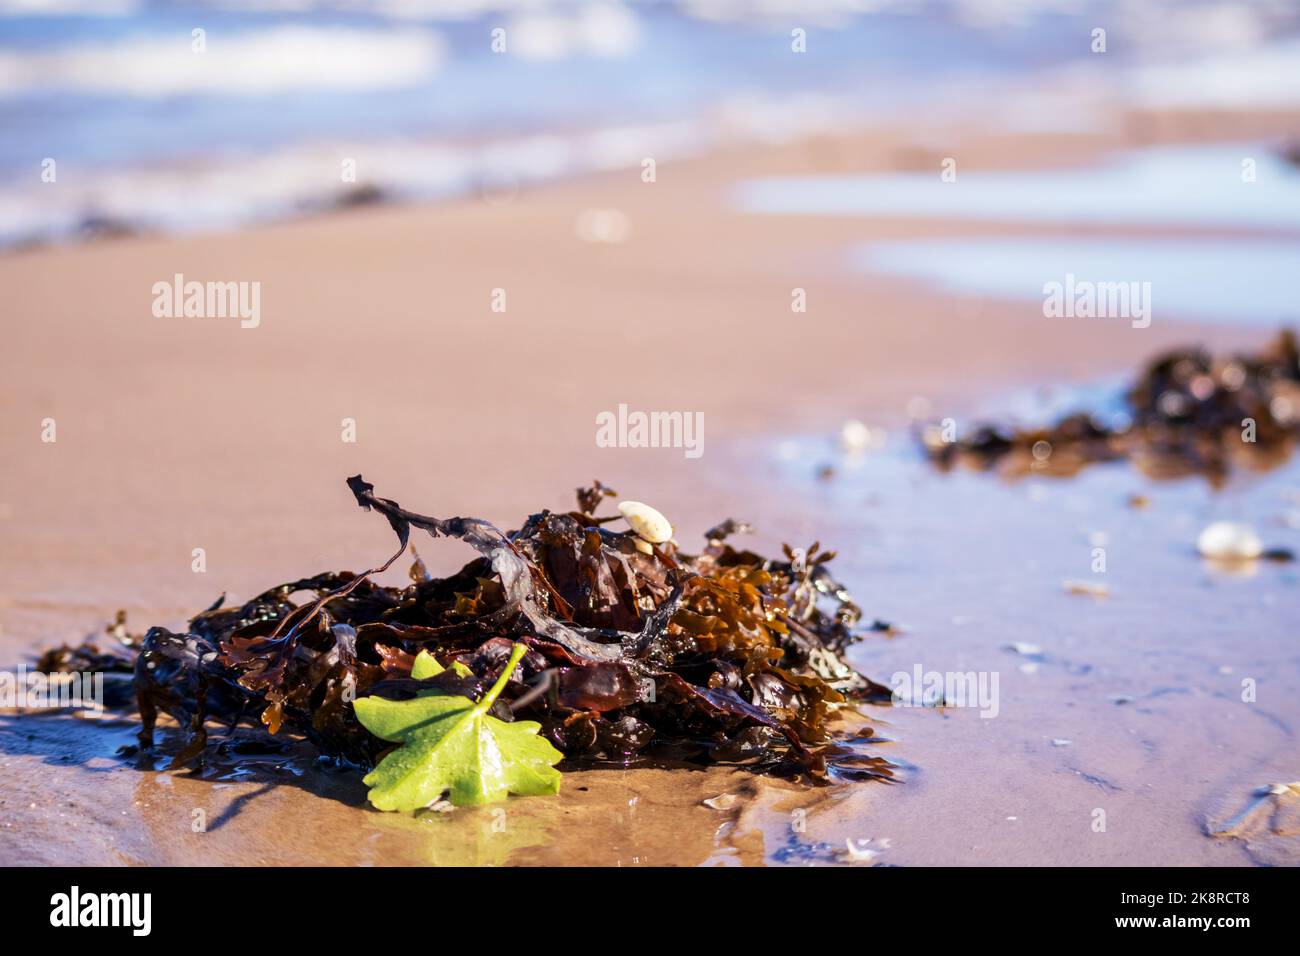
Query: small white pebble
x=1060, y=742
x=1229, y=541
x=646, y=522
x=854, y=435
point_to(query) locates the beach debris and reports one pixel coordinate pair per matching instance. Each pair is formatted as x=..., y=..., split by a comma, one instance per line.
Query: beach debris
x=725, y=529
x=1261, y=811
x=1233, y=543
x=646, y=523
x=1061, y=742
x=857, y=852
x=1025, y=649
x=1186, y=413
x=723, y=801
x=560, y=637
x=1229, y=541
x=1267, y=824
x=1089, y=588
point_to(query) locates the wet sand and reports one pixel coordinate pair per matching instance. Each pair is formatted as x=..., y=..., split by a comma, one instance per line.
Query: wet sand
x=175, y=434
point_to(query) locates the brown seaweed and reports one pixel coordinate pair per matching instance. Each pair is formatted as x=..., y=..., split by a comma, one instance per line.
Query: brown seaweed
x=723, y=655
x=1187, y=413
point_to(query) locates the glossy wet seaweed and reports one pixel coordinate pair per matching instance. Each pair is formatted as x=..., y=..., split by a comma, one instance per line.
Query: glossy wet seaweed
x=636, y=654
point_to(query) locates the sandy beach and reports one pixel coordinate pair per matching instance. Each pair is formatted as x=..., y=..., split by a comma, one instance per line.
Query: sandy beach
x=183, y=433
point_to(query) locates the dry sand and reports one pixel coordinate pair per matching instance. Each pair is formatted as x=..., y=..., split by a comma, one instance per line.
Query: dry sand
x=175, y=434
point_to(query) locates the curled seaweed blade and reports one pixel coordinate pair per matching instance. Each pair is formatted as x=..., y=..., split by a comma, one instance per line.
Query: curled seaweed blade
x=518, y=577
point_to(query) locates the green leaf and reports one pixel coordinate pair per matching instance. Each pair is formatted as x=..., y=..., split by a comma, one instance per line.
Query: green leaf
x=452, y=745
x=426, y=665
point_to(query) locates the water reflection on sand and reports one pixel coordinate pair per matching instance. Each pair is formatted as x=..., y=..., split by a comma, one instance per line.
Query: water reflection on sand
x=1147, y=702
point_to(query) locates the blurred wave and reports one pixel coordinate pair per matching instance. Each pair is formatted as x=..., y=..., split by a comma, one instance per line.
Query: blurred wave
x=434, y=97
x=1237, y=280
x=261, y=63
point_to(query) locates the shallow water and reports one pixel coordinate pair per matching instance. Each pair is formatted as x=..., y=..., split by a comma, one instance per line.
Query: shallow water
x=1188, y=186
x=151, y=134
x=1128, y=705
x=1238, y=280
x=418, y=97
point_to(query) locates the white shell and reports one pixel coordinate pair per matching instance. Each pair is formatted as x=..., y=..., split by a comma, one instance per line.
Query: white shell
x=646, y=522
x=1229, y=541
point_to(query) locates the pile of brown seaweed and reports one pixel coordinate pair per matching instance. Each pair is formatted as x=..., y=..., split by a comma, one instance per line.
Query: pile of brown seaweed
x=1188, y=414
x=635, y=652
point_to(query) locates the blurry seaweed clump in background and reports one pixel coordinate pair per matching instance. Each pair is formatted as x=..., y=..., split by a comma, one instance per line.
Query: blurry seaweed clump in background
x=1187, y=413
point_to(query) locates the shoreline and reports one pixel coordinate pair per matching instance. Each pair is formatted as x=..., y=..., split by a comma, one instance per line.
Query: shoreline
x=382, y=315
